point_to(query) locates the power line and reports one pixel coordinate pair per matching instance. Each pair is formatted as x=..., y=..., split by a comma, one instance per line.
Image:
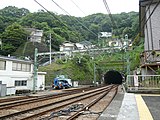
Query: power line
x=75, y=18
x=78, y=7
x=61, y=7
x=51, y=13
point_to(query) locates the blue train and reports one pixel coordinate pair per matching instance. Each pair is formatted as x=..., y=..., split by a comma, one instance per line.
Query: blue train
x=61, y=82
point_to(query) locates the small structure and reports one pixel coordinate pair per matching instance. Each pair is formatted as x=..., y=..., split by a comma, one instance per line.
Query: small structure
x=115, y=43
x=35, y=35
x=67, y=46
x=105, y=34
x=18, y=75
x=149, y=26
x=87, y=44
x=79, y=46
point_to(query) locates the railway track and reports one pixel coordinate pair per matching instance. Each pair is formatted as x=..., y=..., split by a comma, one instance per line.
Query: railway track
x=95, y=101
x=14, y=99
x=17, y=101
x=41, y=109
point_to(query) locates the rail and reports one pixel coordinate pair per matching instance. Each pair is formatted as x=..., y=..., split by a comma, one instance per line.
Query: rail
x=47, y=106
x=93, y=102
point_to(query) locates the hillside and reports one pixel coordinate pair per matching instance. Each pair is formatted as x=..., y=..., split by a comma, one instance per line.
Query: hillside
x=28, y=48
x=13, y=22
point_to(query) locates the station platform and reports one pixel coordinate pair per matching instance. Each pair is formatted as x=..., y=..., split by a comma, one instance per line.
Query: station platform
x=130, y=106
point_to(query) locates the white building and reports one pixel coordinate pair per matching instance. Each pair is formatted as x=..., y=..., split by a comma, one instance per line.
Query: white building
x=35, y=35
x=79, y=46
x=105, y=34
x=18, y=75
x=67, y=46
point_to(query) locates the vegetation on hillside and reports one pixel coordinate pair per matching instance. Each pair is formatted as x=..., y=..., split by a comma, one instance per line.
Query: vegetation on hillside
x=13, y=22
x=14, y=36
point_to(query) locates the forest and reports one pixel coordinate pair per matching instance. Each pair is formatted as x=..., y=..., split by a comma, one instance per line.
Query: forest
x=13, y=22
x=14, y=37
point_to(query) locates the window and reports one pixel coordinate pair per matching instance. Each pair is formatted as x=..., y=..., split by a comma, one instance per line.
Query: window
x=2, y=65
x=21, y=67
x=26, y=67
x=21, y=83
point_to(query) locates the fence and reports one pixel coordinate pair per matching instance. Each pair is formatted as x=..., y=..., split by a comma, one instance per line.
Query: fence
x=142, y=82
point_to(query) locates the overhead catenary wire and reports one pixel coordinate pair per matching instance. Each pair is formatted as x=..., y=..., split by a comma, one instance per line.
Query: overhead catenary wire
x=60, y=7
x=74, y=18
x=78, y=7
x=66, y=13
x=51, y=13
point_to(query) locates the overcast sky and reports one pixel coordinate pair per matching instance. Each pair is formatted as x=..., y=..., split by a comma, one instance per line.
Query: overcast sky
x=83, y=8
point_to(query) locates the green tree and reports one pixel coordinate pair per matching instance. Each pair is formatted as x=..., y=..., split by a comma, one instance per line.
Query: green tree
x=13, y=36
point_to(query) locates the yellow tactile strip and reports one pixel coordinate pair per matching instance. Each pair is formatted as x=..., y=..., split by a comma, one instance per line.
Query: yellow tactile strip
x=144, y=113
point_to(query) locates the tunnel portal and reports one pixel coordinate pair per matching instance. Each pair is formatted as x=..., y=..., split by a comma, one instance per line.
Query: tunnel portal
x=113, y=77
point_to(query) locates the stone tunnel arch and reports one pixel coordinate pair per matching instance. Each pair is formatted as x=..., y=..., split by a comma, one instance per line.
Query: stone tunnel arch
x=113, y=77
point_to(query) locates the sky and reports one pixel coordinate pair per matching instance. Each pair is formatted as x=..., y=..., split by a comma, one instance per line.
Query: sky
x=78, y=8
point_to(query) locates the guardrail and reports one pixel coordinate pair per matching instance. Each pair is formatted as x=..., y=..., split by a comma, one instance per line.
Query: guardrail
x=142, y=82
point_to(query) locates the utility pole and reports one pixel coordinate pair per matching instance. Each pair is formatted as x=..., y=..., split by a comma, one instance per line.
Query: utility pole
x=128, y=62
x=1, y=43
x=35, y=71
x=94, y=74
x=50, y=61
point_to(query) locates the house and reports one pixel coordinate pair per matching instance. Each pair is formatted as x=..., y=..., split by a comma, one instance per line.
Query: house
x=35, y=35
x=79, y=46
x=105, y=34
x=87, y=44
x=150, y=31
x=114, y=43
x=67, y=46
x=17, y=75
x=119, y=43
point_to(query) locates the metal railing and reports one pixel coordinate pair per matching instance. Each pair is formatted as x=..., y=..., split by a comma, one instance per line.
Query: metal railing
x=142, y=82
